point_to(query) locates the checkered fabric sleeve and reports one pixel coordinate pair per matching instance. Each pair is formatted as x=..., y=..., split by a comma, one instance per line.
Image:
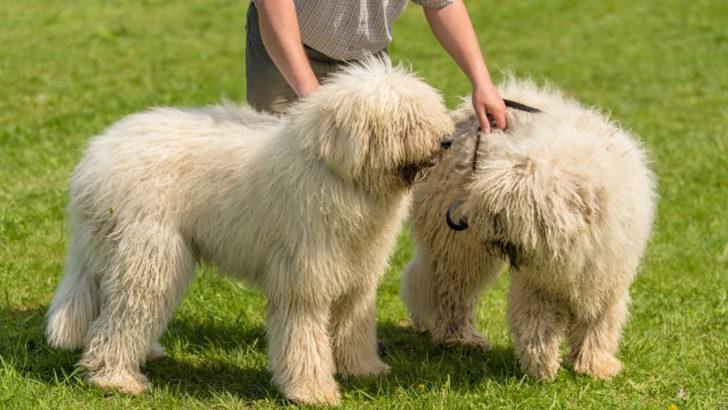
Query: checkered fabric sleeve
x=436, y=4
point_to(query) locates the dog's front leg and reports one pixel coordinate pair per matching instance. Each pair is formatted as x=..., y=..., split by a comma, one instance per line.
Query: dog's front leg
x=354, y=334
x=537, y=326
x=594, y=342
x=299, y=350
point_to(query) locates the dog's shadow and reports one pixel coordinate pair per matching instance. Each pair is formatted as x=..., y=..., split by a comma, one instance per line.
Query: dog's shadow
x=417, y=361
x=203, y=370
x=213, y=358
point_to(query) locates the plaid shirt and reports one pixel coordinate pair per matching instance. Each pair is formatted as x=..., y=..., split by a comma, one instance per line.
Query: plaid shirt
x=347, y=29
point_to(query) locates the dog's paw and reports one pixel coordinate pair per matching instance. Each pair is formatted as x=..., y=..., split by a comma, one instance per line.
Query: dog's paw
x=379, y=369
x=468, y=338
x=471, y=341
x=123, y=381
x=318, y=394
x=543, y=369
x=599, y=366
x=543, y=374
x=156, y=351
x=418, y=324
x=373, y=367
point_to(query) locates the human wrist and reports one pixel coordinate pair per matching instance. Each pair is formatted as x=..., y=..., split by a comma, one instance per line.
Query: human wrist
x=482, y=83
x=479, y=75
x=305, y=85
x=304, y=91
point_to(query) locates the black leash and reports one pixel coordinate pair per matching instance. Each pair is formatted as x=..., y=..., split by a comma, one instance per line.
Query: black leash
x=462, y=224
x=521, y=107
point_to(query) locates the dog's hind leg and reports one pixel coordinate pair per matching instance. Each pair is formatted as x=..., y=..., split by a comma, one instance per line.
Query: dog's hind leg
x=537, y=326
x=75, y=303
x=455, y=297
x=354, y=334
x=299, y=349
x=594, y=342
x=149, y=276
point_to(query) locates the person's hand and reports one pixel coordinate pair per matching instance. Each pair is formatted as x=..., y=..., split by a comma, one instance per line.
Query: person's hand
x=486, y=100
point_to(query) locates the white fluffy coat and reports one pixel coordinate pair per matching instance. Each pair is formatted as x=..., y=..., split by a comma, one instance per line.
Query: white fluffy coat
x=307, y=207
x=569, y=198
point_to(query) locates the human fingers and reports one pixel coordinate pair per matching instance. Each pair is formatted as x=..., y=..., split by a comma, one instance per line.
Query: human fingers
x=482, y=115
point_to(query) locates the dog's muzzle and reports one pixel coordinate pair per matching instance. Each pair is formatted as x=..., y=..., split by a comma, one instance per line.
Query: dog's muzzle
x=408, y=173
x=412, y=173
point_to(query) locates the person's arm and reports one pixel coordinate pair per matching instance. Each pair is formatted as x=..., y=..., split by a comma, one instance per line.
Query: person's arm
x=452, y=27
x=282, y=39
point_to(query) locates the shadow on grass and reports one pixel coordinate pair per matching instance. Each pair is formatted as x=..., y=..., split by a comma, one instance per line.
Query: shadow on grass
x=23, y=347
x=211, y=351
x=416, y=360
x=210, y=367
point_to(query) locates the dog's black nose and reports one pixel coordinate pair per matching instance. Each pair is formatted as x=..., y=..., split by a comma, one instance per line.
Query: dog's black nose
x=446, y=143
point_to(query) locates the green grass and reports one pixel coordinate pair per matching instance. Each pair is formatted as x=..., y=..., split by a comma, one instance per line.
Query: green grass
x=68, y=69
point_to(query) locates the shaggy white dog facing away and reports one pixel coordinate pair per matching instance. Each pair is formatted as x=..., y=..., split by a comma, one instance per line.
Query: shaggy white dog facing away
x=568, y=198
x=306, y=207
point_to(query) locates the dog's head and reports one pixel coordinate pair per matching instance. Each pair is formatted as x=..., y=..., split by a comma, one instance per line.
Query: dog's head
x=374, y=125
x=533, y=194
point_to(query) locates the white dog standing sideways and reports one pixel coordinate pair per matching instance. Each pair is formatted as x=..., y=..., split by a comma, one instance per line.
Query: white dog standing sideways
x=307, y=207
x=568, y=197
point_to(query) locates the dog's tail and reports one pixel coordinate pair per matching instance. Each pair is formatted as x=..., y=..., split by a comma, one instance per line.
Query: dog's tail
x=76, y=302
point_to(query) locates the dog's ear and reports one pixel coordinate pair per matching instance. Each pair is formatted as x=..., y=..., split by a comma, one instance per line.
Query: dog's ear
x=539, y=205
x=567, y=208
x=335, y=130
x=344, y=140
x=354, y=135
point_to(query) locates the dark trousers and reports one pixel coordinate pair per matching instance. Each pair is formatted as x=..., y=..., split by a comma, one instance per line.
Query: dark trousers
x=267, y=90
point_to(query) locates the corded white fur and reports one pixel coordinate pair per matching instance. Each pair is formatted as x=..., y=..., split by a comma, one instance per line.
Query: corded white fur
x=306, y=207
x=571, y=196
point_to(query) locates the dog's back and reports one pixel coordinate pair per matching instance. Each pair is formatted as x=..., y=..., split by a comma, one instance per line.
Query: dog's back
x=128, y=173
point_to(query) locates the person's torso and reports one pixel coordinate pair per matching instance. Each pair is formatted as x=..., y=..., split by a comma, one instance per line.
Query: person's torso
x=347, y=29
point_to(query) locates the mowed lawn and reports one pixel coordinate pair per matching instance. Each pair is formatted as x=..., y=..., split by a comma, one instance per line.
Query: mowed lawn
x=68, y=69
